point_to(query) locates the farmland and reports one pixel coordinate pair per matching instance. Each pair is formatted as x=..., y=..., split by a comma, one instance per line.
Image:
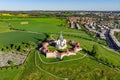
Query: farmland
x=48, y=25
x=19, y=37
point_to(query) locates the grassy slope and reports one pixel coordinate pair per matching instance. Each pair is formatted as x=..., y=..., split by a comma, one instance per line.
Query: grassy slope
x=117, y=34
x=108, y=56
x=85, y=69
x=31, y=72
x=102, y=53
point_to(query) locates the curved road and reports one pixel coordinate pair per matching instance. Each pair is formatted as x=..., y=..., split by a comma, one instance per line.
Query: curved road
x=112, y=44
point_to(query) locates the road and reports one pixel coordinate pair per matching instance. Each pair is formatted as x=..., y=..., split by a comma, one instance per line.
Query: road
x=112, y=44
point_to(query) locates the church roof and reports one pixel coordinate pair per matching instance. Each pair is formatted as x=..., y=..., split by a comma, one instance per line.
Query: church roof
x=60, y=36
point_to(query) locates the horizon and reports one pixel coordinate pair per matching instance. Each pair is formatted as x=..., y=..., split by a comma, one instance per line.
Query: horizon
x=60, y=5
x=65, y=10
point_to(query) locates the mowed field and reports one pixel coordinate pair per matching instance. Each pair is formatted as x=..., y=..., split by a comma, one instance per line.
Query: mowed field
x=81, y=69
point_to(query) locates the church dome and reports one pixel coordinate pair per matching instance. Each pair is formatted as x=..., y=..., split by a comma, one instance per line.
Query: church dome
x=60, y=36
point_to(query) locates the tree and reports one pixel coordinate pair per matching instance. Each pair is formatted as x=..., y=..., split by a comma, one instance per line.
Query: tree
x=8, y=47
x=12, y=46
x=3, y=49
x=94, y=50
x=31, y=44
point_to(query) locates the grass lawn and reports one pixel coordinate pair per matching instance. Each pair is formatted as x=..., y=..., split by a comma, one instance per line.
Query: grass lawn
x=78, y=55
x=53, y=48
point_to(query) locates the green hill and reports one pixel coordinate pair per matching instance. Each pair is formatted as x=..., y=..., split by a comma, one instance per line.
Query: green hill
x=101, y=66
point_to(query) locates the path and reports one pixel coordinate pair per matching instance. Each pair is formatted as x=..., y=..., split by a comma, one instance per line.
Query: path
x=60, y=61
x=47, y=71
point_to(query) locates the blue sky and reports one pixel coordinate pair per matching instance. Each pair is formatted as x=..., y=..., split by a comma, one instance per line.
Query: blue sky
x=60, y=5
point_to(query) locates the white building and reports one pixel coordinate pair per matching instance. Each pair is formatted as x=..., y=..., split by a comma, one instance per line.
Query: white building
x=61, y=42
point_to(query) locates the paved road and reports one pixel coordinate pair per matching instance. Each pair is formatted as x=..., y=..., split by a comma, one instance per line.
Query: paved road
x=112, y=44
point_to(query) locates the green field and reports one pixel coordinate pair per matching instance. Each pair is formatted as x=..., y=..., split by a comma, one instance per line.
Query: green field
x=48, y=25
x=19, y=37
x=81, y=69
x=4, y=27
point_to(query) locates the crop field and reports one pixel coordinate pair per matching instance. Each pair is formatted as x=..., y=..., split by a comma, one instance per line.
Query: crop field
x=19, y=37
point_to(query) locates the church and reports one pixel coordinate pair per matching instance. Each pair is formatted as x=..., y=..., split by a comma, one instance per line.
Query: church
x=60, y=43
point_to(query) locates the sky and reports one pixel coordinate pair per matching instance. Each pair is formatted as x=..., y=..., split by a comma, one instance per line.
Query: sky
x=98, y=5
